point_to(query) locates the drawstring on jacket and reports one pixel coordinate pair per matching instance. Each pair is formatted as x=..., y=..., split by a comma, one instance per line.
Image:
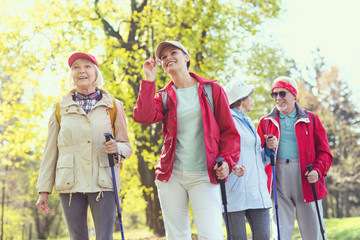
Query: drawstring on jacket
x=99, y=196
x=70, y=199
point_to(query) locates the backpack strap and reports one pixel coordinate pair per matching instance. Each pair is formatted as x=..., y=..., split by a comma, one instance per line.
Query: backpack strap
x=164, y=98
x=57, y=112
x=208, y=94
x=112, y=112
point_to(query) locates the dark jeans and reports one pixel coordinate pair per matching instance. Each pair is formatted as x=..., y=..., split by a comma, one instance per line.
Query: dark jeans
x=259, y=220
x=75, y=212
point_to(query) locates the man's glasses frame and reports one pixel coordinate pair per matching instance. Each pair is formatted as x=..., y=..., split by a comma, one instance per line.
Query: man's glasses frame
x=281, y=94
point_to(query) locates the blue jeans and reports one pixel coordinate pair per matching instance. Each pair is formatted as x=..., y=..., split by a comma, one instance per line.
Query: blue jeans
x=75, y=212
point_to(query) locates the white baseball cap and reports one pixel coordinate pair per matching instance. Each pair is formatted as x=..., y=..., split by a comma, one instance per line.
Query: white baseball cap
x=236, y=90
x=165, y=44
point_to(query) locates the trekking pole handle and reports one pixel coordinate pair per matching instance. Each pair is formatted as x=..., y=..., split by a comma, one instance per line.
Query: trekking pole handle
x=309, y=167
x=272, y=153
x=108, y=137
x=219, y=161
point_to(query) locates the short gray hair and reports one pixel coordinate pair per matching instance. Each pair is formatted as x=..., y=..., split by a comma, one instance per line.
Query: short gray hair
x=98, y=82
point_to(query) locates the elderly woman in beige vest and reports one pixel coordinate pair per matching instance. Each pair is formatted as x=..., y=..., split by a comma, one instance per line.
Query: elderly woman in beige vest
x=75, y=160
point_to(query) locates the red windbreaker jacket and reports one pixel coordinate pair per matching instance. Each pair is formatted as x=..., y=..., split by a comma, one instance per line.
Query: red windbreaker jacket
x=221, y=137
x=313, y=148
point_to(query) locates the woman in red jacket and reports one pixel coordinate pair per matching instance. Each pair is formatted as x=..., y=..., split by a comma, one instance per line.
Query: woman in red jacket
x=195, y=135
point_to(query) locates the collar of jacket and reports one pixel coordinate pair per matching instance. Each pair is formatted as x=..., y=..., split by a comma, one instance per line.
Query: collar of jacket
x=300, y=112
x=234, y=113
x=106, y=99
x=199, y=79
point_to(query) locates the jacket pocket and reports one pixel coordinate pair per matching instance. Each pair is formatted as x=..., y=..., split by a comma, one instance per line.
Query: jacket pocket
x=65, y=172
x=104, y=177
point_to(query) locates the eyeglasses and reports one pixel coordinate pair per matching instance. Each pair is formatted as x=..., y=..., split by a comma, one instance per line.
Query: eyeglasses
x=282, y=94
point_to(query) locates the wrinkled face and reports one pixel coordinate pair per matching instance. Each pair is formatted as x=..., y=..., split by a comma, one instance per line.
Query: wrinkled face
x=83, y=73
x=284, y=104
x=173, y=59
x=246, y=104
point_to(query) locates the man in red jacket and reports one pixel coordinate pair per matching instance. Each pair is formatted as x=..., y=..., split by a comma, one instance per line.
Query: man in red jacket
x=302, y=140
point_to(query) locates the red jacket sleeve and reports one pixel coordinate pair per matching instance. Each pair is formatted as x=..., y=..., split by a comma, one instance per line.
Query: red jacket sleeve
x=268, y=168
x=324, y=157
x=148, y=109
x=229, y=145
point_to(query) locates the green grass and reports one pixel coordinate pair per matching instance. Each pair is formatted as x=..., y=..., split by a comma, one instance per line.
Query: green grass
x=336, y=229
x=339, y=228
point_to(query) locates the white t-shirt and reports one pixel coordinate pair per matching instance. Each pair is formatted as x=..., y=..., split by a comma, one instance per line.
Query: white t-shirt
x=190, y=146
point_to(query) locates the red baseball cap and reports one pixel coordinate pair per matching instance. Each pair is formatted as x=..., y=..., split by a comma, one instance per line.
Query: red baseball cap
x=76, y=56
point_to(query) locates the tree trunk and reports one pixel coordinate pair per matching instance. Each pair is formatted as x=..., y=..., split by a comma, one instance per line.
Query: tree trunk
x=346, y=204
x=43, y=225
x=338, y=205
x=153, y=210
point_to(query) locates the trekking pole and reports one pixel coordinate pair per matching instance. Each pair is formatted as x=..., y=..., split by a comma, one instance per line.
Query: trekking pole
x=219, y=161
x=108, y=136
x=272, y=158
x=309, y=167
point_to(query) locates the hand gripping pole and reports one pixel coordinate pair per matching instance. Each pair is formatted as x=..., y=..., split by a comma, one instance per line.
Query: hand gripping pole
x=272, y=159
x=219, y=161
x=309, y=167
x=108, y=137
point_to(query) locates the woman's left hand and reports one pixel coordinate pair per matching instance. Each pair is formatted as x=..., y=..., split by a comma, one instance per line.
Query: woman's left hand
x=111, y=146
x=223, y=171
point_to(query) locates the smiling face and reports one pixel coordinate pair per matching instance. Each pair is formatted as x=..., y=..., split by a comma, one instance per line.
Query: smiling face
x=84, y=75
x=173, y=59
x=286, y=104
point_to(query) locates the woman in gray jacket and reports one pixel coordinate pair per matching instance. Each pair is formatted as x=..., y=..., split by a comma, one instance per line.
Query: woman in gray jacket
x=75, y=159
x=247, y=191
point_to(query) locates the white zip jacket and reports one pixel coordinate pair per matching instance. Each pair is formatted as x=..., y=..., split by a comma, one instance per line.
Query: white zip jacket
x=249, y=191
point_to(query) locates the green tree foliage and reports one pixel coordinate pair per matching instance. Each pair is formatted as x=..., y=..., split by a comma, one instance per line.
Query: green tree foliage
x=21, y=118
x=122, y=34
x=263, y=66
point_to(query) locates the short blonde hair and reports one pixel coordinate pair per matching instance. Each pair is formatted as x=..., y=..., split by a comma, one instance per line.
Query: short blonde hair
x=98, y=82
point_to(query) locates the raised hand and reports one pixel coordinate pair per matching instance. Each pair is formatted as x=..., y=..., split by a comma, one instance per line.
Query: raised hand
x=150, y=68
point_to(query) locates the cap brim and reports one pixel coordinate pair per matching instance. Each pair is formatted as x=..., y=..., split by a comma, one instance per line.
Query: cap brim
x=78, y=55
x=161, y=46
x=243, y=97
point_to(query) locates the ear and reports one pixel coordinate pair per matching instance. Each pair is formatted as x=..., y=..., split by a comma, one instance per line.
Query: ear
x=187, y=58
